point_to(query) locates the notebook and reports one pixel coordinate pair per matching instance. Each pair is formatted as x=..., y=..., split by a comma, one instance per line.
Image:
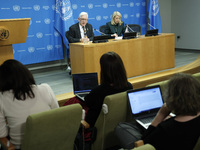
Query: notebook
x=145, y=103
x=83, y=83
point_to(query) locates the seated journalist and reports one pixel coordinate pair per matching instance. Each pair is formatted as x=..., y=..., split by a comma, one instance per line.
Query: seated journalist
x=115, y=27
x=19, y=98
x=113, y=80
x=81, y=30
x=181, y=131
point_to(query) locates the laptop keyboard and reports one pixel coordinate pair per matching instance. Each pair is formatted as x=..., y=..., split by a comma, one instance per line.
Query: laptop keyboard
x=82, y=95
x=147, y=120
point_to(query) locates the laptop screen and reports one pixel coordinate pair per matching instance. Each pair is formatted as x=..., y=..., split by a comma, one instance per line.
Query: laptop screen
x=84, y=82
x=145, y=99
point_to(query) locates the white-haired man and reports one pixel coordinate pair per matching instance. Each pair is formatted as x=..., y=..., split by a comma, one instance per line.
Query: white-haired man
x=80, y=30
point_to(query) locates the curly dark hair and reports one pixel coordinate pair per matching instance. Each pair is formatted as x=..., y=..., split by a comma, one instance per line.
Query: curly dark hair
x=113, y=71
x=15, y=76
x=183, y=94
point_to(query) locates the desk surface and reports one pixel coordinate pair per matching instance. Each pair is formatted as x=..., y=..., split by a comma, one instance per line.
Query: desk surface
x=140, y=55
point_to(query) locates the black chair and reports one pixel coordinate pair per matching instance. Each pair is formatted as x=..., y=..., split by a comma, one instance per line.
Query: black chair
x=67, y=51
x=68, y=55
x=66, y=35
x=134, y=27
x=102, y=29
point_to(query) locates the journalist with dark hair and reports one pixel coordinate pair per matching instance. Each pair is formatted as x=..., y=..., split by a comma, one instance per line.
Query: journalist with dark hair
x=20, y=97
x=113, y=80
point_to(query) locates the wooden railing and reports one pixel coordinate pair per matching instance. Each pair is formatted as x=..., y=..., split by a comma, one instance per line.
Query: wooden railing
x=142, y=81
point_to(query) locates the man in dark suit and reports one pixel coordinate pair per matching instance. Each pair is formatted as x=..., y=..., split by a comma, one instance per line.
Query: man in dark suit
x=81, y=31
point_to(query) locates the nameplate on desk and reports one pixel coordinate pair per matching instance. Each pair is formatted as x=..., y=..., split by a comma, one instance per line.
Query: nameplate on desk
x=153, y=32
x=100, y=39
x=129, y=35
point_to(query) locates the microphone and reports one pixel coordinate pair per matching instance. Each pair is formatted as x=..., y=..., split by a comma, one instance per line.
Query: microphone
x=100, y=32
x=151, y=26
x=129, y=28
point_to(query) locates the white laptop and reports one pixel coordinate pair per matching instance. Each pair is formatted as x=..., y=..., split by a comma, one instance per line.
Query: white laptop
x=83, y=83
x=145, y=103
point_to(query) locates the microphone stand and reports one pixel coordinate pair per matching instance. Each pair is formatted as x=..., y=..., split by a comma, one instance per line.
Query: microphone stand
x=100, y=32
x=130, y=28
x=151, y=26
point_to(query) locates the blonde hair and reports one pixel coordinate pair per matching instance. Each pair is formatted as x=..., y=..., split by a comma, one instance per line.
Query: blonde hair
x=116, y=13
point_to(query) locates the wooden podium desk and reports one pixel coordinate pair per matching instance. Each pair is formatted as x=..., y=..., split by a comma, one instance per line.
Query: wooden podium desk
x=12, y=31
x=140, y=55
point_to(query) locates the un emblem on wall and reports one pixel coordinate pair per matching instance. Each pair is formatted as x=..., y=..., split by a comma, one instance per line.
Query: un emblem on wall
x=56, y=34
x=90, y=6
x=105, y=5
x=125, y=16
x=39, y=35
x=4, y=34
x=49, y=47
x=74, y=6
x=98, y=18
x=31, y=49
x=143, y=3
x=16, y=8
x=138, y=15
x=47, y=21
x=63, y=9
x=119, y=5
x=131, y=4
x=36, y=7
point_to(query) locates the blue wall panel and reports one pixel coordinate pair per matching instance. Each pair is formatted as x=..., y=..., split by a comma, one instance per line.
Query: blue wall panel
x=43, y=41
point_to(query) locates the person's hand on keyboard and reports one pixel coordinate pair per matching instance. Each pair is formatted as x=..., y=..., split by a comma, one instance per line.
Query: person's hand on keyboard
x=161, y=115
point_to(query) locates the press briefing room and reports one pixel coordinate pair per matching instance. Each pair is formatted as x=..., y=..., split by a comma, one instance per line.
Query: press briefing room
x=99, y=75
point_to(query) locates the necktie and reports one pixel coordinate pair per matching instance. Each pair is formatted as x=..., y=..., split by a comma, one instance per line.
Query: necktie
x=84, y=30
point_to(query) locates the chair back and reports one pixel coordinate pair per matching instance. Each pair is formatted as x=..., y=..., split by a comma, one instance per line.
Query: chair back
x=53, y=129
x=134, y=27
x=197, y=146
x=105, y=124
x=102, y=28
x=67, y=34
x=197, y=76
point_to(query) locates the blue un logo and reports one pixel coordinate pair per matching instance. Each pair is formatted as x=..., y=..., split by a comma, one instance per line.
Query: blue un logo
x=155, y=9
x=63, y=9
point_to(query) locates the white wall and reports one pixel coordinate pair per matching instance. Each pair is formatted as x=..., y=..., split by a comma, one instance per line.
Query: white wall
x=186, y=23
x=182, y=17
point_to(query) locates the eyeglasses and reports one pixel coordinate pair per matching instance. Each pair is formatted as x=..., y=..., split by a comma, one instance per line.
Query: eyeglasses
x=82, y=19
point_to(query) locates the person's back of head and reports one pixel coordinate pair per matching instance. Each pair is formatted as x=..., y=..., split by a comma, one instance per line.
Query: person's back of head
x=183, y=94
x=15, y=76
x=113, y=71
